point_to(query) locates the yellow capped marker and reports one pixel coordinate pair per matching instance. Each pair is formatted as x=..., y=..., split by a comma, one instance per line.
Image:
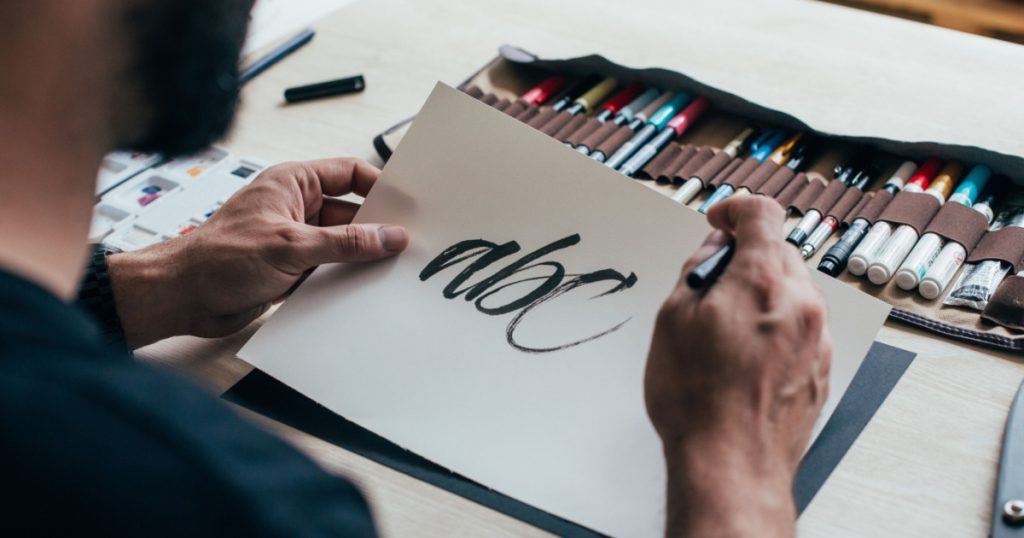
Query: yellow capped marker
x=593, y=97
x=943, y=183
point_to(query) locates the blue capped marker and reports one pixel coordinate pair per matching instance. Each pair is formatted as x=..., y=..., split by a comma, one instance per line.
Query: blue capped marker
x=967, y=192
x=651, y=128
x=765, y=146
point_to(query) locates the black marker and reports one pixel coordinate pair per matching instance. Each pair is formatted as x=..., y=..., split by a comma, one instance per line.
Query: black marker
x=707, y=272
x=319, y=90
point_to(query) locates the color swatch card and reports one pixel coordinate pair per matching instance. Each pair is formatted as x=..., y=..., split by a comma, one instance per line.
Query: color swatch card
x=508, y=343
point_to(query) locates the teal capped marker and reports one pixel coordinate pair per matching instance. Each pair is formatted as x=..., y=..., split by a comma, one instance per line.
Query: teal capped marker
x=653, y=126
x=967, y=192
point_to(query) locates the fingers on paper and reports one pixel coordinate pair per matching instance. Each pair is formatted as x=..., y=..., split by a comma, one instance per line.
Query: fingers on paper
x=350, y=243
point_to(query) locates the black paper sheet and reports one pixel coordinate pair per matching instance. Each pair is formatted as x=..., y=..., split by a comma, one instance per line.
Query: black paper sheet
x=262, y=394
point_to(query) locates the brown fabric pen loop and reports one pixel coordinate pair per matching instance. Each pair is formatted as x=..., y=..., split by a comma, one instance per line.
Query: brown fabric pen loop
x=589, y=126
x=489, y=99
x=776, y=183
x=600, y=135
x=850, y=198
x=699, y=159
x=759, y=176
x=793, y=189
x=875, y=206
x=960, y=224
x=854, y=213
x=1006, y=307
x=570, y=127
x=1006, y=244
x=515, y=108
x=617, y=138
x=834, y=190
x=474, y=91
x=541, y=117
x=527, y=114
x=555, y=123
x=502, y=104
x=741, y=173
x=710, y=169
x=724, y=173
x=666, y=174
x=659, y=162
x=914, y=209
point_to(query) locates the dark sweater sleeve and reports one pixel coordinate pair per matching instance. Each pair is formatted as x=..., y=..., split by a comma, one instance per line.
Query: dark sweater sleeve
x=116, y=448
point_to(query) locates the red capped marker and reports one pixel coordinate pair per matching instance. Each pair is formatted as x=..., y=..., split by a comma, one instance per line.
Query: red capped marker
x=620, y=100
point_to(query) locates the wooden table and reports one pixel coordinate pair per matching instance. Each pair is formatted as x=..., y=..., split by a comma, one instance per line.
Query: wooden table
x=925, y=465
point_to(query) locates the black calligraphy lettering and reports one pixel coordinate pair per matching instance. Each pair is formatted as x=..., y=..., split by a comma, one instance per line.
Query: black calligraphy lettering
x=551, y=286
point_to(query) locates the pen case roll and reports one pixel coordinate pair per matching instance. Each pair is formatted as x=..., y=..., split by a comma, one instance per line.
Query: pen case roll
x=515, y=71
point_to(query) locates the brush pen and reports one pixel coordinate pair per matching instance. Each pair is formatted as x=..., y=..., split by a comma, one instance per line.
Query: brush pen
x=846, y=173
x=639, y=119
x=276, y=55
x=624, y=115
x=707, y=272
x=590, y=98
x=674, y=129
x=320, y=90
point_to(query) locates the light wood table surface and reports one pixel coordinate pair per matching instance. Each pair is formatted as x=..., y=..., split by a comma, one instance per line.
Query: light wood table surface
x=926, y=464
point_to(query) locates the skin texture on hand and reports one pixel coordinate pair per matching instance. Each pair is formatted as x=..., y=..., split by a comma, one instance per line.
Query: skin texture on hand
x=736, y=378
x=251, y=253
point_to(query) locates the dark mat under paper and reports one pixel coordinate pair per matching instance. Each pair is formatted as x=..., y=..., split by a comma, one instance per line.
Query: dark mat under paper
x=262, y=394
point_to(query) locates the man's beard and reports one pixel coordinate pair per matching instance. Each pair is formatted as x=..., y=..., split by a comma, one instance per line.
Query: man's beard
x=186, y=67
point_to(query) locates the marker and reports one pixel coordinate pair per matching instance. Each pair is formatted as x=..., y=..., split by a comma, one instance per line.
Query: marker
x=689, y=190
x=830, y=224
x=921, y=257
x=765, y=146
x=621, y=99
x=809, y=222
x=590, y=99
x=867, y=251
x=630, y=111
x=708, y=271
x=536, y=95
x=573, y=92
x=639, y=119
x=675, y=128
x=624, y=115
x=895, y=250
x=330, y=88
x=953, y=254
x=276, y=55
x=835, y=258
x=651, y=128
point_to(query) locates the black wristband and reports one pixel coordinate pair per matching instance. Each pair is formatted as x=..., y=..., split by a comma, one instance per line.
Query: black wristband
x=97, y=297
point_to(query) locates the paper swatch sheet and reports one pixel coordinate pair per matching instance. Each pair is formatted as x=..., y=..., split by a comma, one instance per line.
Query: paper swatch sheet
x=508, y=342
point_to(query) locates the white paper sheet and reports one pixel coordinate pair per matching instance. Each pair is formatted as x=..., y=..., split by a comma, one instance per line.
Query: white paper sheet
x=565, y=431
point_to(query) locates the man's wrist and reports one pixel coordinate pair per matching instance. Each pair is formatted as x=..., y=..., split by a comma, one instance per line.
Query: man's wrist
x=148, y=295
x=717, y=487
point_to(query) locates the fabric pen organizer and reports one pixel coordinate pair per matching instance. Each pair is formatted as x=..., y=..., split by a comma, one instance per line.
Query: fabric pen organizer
x=840, y=191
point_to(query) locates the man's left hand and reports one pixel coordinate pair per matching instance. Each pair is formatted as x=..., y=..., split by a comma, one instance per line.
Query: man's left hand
x=251, y=253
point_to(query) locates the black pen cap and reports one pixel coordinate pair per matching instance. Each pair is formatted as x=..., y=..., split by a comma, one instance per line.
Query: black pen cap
x=325, y=89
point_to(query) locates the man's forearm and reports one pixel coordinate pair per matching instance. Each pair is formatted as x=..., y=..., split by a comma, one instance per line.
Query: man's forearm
x=147, y=295
x=715, y=489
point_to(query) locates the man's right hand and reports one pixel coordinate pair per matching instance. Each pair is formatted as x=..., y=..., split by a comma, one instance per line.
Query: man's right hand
x=736, y=378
